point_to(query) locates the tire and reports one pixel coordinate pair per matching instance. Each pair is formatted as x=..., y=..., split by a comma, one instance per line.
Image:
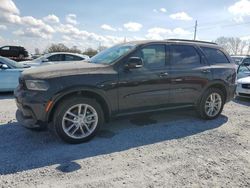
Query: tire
x=202, y=109
x=66, y=130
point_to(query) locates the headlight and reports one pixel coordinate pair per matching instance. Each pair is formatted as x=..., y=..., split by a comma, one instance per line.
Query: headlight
x=37, y=85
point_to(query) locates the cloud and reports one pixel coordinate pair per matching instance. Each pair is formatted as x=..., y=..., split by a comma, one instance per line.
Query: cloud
x=3, y=27
x=240, y=9
x=71, y=19
x=9, y=7
x=133, y=26
x=33, y=33
x=108, y=27
x=158, y=33
x=51, y=18
x=163, y=10
x=181, y=16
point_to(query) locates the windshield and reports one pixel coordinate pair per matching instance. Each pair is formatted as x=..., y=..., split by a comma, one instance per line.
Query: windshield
x=237, y=60
x=11, y=63
x=110, y=55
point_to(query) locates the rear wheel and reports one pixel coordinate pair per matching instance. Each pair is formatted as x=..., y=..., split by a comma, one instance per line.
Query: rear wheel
x=77, y=120
x=211, y=104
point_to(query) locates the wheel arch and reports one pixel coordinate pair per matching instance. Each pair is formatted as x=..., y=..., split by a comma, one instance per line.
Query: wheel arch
x=80, y=92
x=219, y=84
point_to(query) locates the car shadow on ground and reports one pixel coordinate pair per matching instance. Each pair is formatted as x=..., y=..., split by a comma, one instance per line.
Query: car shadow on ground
x=22, y=149
x=242, y=101
x=6, y=95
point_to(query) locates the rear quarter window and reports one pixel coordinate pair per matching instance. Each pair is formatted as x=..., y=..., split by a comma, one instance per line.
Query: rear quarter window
x=215, y=56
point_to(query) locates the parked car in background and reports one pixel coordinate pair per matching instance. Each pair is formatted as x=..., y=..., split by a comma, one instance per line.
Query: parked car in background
x=9, y=73
x=56, y=58
x=14, y=52
x=238, y=59
x=130, y=78
x=243, y=83
x=244, y=69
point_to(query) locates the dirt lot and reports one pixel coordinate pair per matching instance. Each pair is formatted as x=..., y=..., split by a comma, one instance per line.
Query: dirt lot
x=169, y=149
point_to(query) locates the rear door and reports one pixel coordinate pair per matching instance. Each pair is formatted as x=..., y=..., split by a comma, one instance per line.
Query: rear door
x=189, y=74
x=145, y=88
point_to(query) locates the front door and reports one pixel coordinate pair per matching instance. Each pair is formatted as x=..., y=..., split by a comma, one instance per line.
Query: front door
x=147, y=87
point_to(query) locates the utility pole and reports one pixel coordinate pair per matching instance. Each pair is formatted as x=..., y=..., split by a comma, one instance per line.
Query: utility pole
x=195, y=29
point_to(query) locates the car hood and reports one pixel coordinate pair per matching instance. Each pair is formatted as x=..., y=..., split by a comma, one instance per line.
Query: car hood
x=64, y=69
x=245, y=80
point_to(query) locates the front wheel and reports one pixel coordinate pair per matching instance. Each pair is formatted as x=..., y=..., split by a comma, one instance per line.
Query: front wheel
x=78, y=119
x=211, y=104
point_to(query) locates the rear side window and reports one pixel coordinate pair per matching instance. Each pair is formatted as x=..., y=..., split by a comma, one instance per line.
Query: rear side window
x=72, y=58
x=58, y=57
x=215, y=56
x=184, y=55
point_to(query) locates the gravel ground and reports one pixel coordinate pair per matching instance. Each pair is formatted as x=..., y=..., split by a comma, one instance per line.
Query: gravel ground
x=169, y=149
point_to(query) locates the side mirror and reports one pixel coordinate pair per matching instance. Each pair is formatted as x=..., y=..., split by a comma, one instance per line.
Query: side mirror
x=134, y=63
x=45, y=60
x=3, y=66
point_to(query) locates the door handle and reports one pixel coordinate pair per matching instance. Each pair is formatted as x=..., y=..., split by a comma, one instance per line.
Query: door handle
x=163, y=74
x=206, y=71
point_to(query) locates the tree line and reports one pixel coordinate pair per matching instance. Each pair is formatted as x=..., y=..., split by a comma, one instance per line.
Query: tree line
x=234, y=45
x=63, y=48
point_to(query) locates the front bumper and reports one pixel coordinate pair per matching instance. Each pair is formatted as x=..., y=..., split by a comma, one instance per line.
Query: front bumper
x=242, y=92
x=31, y=109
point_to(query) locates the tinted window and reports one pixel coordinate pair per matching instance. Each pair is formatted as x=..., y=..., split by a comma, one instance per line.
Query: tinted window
x=182, y=54
x=72, y=58
x=215, y=56
x=153, y=56
x=58, y=57
x=247, y=60
x=14, y=48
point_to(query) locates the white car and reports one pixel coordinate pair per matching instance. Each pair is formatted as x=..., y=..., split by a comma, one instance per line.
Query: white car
x=243, y=83
x=56, y=58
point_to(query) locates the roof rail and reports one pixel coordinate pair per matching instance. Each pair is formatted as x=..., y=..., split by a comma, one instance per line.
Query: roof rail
x=186, y=40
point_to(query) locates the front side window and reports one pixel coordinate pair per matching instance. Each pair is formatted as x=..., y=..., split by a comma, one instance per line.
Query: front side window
x=215, y=56
x=153, y=56
x=58, y=57
x=185, y=55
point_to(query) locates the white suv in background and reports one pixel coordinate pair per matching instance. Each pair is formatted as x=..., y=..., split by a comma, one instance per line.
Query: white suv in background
x=56, y=58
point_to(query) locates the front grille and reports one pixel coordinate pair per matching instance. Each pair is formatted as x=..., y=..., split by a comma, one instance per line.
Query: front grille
x=244, y=95
x=246, y=86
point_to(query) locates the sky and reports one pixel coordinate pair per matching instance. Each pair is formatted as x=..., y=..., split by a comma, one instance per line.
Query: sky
x=83, y=23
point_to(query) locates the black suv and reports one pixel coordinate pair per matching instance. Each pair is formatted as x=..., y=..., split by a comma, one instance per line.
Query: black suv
x=13, y=51
x=135, y=77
